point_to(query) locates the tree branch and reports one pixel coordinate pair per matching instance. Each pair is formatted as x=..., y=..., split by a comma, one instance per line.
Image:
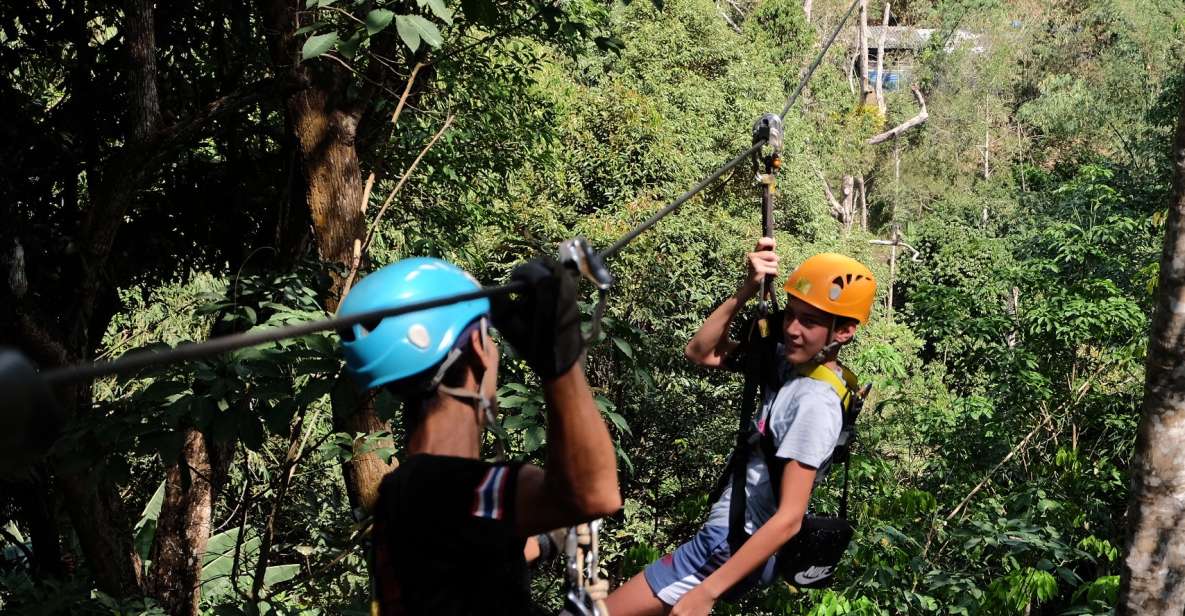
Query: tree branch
x=398, y=186
x=836, y=208
x=896, y=131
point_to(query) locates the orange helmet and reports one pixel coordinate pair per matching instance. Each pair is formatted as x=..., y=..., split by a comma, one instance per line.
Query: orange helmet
x=835, y=284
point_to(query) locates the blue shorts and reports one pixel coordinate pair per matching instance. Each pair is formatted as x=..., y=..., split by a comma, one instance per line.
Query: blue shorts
x=671, y=576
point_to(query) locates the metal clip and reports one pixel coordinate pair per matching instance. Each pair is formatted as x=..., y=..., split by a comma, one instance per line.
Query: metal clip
x=577, y=253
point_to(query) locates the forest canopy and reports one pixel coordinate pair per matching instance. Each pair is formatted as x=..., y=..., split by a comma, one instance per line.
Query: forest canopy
x=178, y=171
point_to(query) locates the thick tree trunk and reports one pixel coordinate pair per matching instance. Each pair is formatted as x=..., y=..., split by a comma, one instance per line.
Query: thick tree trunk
x=183, y=528
x=325, y=125
x=1153, y=575
x=140, y=33
x=36, y=509
x=95, y=509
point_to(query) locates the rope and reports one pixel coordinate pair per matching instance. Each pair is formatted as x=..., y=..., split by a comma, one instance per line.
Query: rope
x=819, y=58
x=224, y=344
x=82, y=373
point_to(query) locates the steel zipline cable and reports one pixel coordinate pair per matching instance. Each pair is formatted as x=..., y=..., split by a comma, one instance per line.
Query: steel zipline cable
x=138, y=360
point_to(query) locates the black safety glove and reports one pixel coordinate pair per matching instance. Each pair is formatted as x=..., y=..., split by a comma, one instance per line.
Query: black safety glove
x=542, y=323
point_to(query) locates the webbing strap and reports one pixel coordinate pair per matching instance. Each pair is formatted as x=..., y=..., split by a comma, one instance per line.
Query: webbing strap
x=739, y=463
x=842, y=388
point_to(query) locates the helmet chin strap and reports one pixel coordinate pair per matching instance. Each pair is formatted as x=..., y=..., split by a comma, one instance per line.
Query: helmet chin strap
x=484, y=405
x=832, y=345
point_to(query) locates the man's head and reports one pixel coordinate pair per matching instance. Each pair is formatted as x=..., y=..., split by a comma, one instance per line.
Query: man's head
x=830, y=295
x=416, y=354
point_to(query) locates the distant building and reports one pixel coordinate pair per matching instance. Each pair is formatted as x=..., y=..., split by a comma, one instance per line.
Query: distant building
x=902, y=45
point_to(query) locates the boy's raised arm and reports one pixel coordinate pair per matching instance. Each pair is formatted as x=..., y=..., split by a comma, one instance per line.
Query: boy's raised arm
x=710, y=346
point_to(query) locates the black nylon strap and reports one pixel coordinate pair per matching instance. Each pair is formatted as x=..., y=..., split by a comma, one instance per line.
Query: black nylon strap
x=757, y=364
x=739, y=463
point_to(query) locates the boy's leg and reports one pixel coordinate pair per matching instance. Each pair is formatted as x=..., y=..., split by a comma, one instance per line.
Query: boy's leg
x=634, y=598
x=657, y=589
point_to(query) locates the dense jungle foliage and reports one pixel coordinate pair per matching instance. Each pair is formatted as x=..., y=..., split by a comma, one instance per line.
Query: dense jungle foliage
x=991, y=472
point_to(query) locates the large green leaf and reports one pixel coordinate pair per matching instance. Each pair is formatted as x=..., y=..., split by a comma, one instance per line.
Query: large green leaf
x=414, y=28
x=377, y=20
x=218, y=563
x=317, y=45
x=439, y=9
x=146, y=527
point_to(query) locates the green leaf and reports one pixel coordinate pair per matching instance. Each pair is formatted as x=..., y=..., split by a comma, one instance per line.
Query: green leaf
x=317, y=45
x=439, y=9
x=160, y=391
x=378, y=20
x=533, y=438
x=480, y=11
x=413, y=29
x=146, y=526
x=625, y=347
x=279, y=573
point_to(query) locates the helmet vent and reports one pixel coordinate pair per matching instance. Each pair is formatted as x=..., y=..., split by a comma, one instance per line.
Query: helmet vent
x=837, y=286
x=364, y=328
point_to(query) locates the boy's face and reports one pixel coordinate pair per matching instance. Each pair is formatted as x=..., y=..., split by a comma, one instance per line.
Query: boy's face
x=805, y=330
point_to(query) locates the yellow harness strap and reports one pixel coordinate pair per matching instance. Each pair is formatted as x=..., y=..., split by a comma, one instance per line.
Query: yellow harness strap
x=843, y=387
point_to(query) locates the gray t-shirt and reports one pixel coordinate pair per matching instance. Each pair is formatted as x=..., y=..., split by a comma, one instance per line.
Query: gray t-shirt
x=806, y=418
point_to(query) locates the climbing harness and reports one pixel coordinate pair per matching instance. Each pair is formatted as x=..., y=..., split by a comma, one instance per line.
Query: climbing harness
x=809, y=559
x=586, y=588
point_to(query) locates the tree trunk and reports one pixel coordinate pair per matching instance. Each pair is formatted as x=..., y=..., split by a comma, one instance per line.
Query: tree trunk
x=806, y=9
x=183, y=528
x=849, y=203
x=1152, y=579
x=36, y=511
x=880, y=63
x=987, y=144
x=865, y=89
x=863, y=194
x=95, y=509
x=325, y=125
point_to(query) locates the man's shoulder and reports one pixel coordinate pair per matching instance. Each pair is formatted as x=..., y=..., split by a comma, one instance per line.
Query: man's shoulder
x=445, y=485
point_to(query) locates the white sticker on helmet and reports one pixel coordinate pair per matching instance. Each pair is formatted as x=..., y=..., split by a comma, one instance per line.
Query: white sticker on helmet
x=418, y=335
x=835, y=291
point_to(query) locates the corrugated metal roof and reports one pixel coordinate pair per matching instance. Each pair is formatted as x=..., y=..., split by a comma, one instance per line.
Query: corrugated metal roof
x=908, y=37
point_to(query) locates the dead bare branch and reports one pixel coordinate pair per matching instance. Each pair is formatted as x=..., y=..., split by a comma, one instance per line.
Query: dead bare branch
x=896, y=131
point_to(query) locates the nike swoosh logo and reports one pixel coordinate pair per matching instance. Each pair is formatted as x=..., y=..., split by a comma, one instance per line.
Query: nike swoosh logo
x=812, y=575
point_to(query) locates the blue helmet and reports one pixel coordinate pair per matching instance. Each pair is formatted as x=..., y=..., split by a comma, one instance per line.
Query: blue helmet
x=407, y=345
